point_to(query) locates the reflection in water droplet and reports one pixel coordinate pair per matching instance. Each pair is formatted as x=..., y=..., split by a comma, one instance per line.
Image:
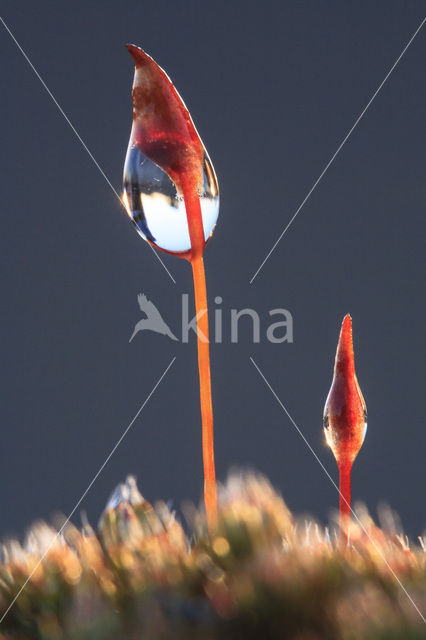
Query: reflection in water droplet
x=157, y=209
x=365, y=423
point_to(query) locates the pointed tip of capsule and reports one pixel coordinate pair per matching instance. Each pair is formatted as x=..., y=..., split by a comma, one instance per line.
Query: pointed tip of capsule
x=139, y=56
x=345, y=349
x=347, y=319
x=346, y=328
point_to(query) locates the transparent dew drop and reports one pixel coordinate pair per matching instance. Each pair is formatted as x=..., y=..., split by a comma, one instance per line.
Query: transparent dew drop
x=157, y=209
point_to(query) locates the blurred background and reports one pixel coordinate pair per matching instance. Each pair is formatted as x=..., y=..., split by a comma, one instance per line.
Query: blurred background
x=273, y=88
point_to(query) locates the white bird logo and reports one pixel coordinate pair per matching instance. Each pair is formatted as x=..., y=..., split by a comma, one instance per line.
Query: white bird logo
x=153, y=320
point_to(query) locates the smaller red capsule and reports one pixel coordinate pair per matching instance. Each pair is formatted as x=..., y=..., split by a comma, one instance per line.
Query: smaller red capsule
x=345, y=412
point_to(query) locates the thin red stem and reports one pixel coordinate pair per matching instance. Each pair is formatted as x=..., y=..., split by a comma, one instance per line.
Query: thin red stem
x=345, y=501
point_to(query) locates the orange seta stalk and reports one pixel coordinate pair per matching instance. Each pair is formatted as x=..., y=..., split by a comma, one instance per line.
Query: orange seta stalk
x=210, y=491
x=196, y=232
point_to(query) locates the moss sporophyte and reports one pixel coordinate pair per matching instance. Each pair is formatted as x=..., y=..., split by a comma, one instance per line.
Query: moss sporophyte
x=172, y=196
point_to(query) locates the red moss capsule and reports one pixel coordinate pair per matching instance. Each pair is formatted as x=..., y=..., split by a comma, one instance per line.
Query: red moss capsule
x=170, y=187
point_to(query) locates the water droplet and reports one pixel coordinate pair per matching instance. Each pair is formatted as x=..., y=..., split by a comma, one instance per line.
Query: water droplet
x=157, y=208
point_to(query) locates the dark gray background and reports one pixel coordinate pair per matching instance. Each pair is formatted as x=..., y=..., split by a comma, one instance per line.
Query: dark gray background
x=273, y=88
